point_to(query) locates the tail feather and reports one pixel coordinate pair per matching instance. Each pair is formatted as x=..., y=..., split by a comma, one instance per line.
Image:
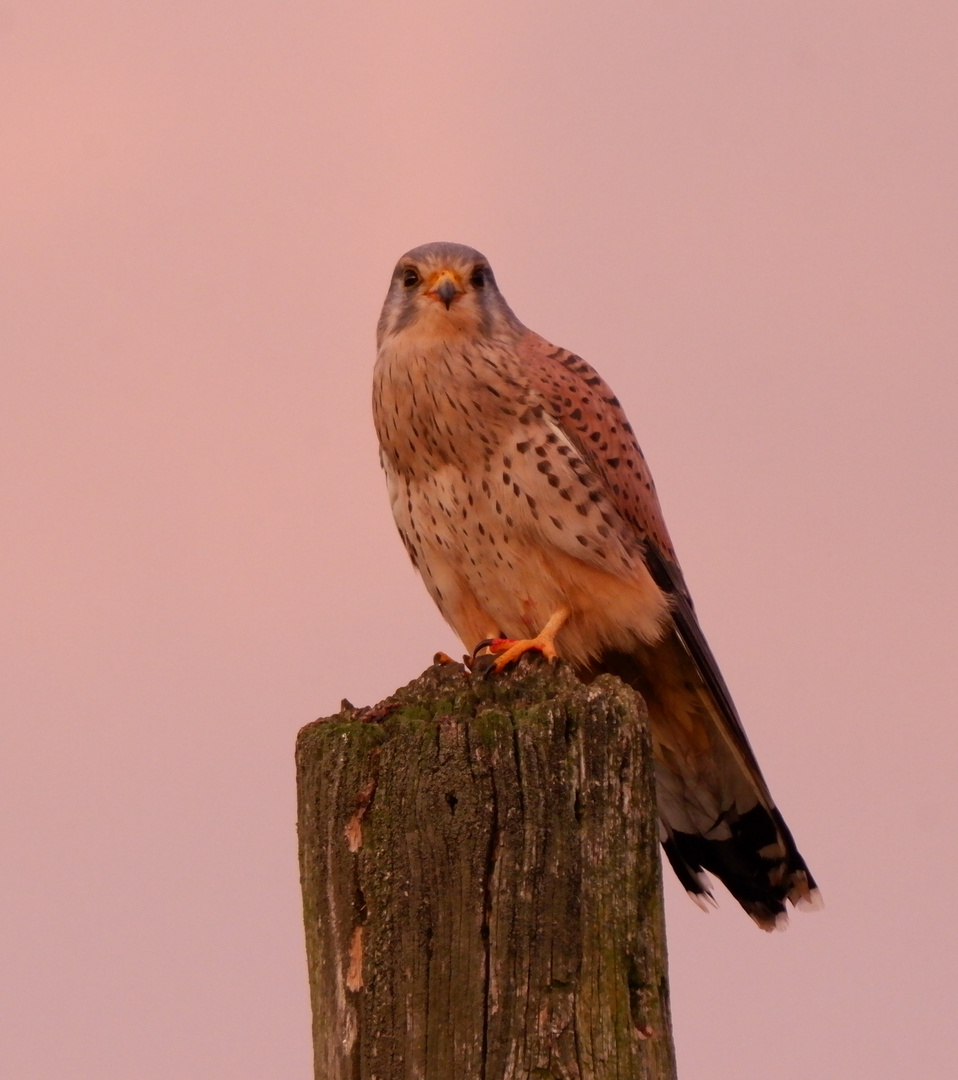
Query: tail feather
x=715, y=808
x=761, y=885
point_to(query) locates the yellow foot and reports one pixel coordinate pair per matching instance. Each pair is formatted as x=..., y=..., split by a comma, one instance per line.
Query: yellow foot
x=508, y=650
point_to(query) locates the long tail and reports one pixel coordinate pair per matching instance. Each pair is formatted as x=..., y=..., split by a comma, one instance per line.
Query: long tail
x=715, y=809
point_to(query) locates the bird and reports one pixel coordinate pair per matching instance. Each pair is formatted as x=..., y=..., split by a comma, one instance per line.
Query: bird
x=525, y=504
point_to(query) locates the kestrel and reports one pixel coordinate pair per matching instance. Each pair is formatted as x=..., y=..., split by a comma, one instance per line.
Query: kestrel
x=526, y=505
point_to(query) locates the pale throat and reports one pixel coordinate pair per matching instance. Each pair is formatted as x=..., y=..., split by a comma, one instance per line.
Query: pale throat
x=418, y=350
x=457, y=326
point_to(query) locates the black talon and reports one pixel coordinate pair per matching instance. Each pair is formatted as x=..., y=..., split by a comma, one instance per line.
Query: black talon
x=484, y=644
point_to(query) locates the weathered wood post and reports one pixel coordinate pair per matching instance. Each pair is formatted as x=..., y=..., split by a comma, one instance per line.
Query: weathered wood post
x=481, y=882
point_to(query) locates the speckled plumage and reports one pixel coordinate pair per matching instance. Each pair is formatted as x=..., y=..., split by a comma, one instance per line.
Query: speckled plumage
x=519, y=491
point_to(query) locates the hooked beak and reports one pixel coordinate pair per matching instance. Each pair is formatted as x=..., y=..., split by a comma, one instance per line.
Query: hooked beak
x=447, y=290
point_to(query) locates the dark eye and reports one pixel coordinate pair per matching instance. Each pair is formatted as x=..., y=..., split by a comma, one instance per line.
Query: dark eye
x=410, y=277
x=478, y=277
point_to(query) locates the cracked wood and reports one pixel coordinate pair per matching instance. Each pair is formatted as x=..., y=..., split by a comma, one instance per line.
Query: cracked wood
x=481, y=882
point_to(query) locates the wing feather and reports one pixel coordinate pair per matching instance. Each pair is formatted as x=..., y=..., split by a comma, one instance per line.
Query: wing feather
x=580, y=402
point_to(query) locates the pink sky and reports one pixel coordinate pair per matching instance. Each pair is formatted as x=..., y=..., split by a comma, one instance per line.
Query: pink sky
x=743, y=214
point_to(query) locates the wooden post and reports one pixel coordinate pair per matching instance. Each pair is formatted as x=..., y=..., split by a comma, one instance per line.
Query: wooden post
x=481, y=882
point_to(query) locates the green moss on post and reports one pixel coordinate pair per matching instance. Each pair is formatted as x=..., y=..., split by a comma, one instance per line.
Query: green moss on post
x=481, y=882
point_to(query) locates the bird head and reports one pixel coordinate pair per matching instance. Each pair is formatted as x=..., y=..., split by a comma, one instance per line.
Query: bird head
x=443, y=290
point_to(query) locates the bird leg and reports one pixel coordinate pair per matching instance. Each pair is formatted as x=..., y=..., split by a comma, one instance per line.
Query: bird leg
x=508, y=650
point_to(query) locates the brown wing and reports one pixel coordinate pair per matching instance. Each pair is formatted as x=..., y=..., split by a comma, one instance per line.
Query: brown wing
x=590, y=415
x=581, y=403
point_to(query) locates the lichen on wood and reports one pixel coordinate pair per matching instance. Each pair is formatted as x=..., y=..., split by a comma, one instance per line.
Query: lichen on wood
x=481, y=882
